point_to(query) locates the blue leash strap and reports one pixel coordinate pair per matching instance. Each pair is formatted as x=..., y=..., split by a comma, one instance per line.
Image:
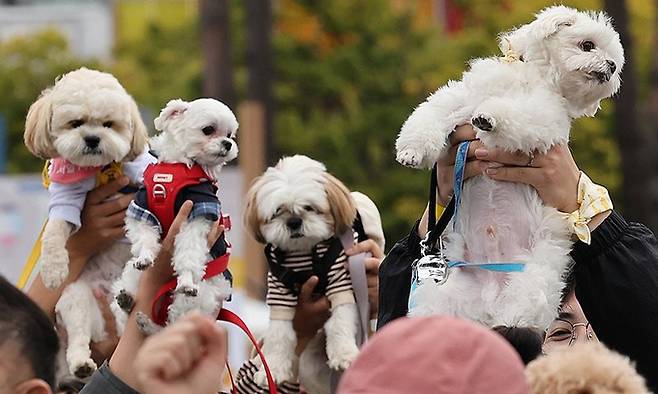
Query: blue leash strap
x=460, y=167
x=498, y=267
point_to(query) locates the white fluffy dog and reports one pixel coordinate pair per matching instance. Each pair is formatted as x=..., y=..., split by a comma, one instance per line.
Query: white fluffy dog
x=196, y=136
x=556, y=68
x=300, y=211
x=85, y=122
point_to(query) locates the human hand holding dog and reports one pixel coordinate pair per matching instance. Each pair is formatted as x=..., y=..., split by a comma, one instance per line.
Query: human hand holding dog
x=102, y=220
x=150, y=282
x=102, y=224
x=310, y=314
x=554, y=175
x=372, y=270
x=186, y=357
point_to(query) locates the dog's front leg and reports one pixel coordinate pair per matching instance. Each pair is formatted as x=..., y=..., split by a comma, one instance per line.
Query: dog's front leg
x=145, y=243
x=341, y=329
x=191, y=255
x=279, y=350
x=55, y=257
x=424, y=134
x=78, y=313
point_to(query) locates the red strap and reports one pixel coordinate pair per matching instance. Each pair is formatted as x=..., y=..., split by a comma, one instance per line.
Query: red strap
x=228, y=316
x=163, y=182
x=163, y=297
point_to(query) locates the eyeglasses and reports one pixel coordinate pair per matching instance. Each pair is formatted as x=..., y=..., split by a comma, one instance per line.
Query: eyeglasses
x=564, y=333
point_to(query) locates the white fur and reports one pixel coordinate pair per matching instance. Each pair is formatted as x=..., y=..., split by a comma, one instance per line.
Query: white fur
x=78, y=311
x=82, y=103
x=183, y=140
x=295, y=187
x=530, y=105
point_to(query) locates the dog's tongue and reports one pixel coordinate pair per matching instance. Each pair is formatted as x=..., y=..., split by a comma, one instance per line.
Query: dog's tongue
x=63, y=171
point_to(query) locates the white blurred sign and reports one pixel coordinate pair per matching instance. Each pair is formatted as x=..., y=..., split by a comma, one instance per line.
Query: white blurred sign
x=23, y=210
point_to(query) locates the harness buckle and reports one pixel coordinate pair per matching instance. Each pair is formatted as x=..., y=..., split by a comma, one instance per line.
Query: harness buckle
x=159, y=191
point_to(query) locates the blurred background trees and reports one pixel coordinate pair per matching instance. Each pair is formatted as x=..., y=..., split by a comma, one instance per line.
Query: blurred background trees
x=337, y=79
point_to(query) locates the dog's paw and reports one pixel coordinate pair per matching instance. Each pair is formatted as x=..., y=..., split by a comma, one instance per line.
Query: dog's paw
x=125, y=301
x=188, y=290
x=185, y=284
x=83, y=368
x=484, y=122
x=410, y=158
x=142, y=263
x=55, y=269
x=280, y=373
x=340, y=357
x=146, y=325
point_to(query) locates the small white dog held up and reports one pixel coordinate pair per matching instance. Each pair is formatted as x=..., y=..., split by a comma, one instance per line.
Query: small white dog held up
x=300, y=211
x=196, y=141
x=90, y=129
x=556, y=68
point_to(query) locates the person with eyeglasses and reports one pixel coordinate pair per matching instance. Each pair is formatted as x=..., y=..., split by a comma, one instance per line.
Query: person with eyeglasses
x=570, y=327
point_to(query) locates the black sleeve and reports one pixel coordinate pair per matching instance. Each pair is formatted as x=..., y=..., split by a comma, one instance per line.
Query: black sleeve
x=617, y=287
x=105, y=382
x=395, y=278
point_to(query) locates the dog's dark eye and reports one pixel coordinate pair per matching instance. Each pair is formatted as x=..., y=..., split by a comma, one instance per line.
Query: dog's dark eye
x=108, y=124
x=76, y=123
x=208, y=130
x=309, y=208
x=587, y=46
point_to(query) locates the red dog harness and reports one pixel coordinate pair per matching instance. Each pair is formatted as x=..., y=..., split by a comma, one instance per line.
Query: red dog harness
x=163, y=182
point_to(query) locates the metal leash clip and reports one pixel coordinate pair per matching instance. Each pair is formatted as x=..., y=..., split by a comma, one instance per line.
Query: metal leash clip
x=431, y=266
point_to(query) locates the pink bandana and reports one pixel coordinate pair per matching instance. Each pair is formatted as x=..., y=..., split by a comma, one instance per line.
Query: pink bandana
x=63, y=171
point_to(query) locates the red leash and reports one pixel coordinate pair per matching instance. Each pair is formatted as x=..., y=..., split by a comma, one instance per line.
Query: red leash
x=163, y=299
x=228, y=316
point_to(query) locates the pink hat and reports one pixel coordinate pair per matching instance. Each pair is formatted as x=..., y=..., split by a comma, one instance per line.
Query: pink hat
x=435, y=355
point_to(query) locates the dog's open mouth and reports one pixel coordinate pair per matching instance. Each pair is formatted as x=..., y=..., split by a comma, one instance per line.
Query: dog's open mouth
x=296, y=235
x=599, y=76
x=92, y=152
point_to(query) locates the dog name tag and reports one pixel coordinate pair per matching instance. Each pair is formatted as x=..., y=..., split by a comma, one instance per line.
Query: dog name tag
x=163, y=178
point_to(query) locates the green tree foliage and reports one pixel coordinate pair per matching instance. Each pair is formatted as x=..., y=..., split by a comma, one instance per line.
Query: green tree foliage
x=347, y=75
x=29, y=65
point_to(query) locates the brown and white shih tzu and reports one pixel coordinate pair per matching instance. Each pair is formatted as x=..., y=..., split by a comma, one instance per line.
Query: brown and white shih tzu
x=300, y=211
x=90, y=129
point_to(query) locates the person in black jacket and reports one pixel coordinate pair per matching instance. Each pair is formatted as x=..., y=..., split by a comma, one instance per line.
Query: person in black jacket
x=616, y=276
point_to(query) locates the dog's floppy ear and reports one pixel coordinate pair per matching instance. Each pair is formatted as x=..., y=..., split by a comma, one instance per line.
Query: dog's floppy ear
x=250, y=217
x=550, y=20
x=140, y=134
x=341, y=203
x=173, y=109
x=37, y=127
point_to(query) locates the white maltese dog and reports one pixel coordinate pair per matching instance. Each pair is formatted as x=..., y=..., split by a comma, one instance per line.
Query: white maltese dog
x=300, y=211
x=196, y=141
x=558, y=67
x=91, y=130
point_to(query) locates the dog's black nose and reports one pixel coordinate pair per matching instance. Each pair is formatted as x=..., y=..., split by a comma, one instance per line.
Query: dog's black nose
x=227, y=145
x=612, y=66
x=294, y=223
x=92, y=141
